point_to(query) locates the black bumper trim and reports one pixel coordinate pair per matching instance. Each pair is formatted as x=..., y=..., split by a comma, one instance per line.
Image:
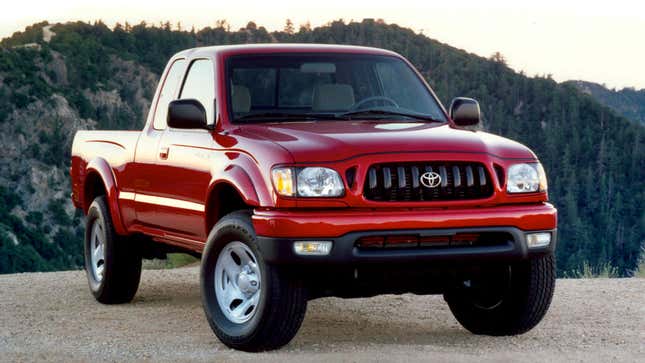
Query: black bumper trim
x=280, y=250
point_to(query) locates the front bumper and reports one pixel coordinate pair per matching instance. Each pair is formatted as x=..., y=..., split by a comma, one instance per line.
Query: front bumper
x=277, y=230
x=344, y=249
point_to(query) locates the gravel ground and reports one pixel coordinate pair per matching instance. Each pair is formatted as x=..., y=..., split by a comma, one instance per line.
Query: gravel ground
x=53, y=317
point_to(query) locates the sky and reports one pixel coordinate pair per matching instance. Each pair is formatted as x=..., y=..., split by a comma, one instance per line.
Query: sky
x=598, y=41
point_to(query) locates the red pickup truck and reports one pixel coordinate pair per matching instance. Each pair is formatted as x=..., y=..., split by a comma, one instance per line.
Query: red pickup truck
x=304, y=171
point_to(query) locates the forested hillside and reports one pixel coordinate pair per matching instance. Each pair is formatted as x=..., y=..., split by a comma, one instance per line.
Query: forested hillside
x=91, y=76
x=627, y=102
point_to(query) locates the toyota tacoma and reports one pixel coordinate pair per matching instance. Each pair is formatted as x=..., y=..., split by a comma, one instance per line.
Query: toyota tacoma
x=304, y=171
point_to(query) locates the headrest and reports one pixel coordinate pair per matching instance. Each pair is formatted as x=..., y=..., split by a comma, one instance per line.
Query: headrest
x=333, y=97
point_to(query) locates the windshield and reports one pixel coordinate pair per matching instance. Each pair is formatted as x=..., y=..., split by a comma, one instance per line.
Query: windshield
x=287, y=87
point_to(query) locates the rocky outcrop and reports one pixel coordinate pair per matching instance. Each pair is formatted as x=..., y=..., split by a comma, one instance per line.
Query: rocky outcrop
x=37, y=140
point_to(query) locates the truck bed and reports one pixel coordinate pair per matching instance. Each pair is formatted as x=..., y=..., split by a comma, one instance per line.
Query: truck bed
x=113, y=148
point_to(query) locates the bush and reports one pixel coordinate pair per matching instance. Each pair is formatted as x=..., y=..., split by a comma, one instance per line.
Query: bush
x=58, y=214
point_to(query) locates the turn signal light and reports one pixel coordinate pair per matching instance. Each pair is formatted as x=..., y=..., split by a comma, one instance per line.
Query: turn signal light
x=283, y=181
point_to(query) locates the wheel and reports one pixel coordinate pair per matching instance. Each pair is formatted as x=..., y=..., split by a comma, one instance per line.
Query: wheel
x=505, y=300
x=112, y=262
x=360, y=103
x=250, y=305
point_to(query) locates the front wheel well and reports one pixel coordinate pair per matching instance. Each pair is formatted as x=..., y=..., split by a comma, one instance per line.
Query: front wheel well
x=93, y=188
x=223, y=199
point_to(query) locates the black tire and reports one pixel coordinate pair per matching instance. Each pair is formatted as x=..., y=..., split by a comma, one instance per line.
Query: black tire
x=505, y=300
x=282, y=302
x=122, y=258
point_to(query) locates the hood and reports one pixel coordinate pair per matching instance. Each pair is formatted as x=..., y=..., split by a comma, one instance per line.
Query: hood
x=321, y=141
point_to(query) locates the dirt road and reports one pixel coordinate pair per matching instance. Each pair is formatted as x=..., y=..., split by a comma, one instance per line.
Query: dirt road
x=52, y=317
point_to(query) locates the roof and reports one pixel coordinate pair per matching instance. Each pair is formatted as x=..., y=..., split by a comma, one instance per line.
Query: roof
x=229, y=50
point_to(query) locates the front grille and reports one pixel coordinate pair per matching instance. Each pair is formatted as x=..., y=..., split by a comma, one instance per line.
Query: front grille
x=401, y=182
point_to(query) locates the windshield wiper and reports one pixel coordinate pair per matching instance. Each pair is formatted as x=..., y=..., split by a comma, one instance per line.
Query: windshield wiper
x=381, y=112
x=273, y=116
x=286, y=116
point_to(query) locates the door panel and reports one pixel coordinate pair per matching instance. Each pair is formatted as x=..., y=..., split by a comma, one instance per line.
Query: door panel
x=186, y=174
x=184, y=160
x=146, y=176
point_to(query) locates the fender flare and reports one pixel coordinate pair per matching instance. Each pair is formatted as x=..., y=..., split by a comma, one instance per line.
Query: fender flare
x=242, y=182
x=101, y=167
x=238, y=178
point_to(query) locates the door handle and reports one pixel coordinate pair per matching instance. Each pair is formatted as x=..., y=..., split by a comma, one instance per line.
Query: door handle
x=163, y=152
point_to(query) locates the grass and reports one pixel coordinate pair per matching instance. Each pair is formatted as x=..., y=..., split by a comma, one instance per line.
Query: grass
x=180, y=259
x=173, y=260
x=641, y=269
x=640, y=272
x=606, y=270
x=589, y=272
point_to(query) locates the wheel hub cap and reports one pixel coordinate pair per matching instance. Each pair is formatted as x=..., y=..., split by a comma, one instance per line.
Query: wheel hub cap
x=237, y=282
x=97, y=251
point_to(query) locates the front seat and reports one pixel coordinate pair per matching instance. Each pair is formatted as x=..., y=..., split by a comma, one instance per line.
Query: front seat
x=332, y=97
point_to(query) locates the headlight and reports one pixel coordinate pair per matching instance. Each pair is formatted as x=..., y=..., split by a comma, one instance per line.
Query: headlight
x=309, y=182
x=526, y=178
x=319, y=182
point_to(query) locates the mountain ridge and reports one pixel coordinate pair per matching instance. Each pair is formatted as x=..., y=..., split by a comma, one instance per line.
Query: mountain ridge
x=628, y=102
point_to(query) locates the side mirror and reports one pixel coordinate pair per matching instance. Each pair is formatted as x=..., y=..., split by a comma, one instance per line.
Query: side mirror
x=187, y=114
x=464, y=111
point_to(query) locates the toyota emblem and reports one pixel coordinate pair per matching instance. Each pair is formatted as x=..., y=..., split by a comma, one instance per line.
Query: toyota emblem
x=430, y=179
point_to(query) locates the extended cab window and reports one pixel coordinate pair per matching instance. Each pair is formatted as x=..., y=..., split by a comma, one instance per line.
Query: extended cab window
x=327, y=86
x=200, y=85
x=168, y=93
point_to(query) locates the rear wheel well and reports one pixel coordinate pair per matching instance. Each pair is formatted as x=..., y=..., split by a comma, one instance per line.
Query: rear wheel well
x=93, y=188
x=223, y=199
